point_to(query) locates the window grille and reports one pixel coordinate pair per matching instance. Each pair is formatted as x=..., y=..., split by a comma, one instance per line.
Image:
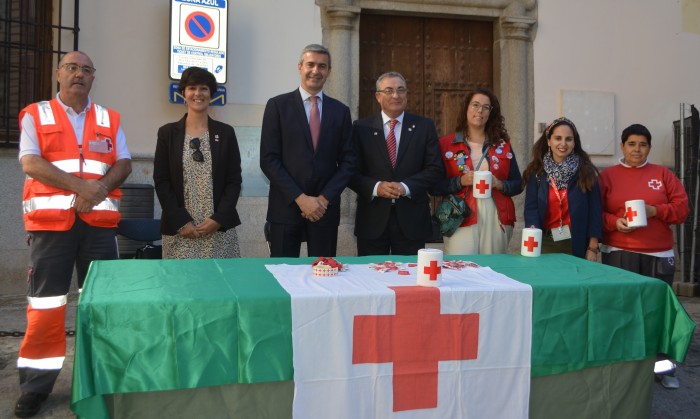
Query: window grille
x=33, y=36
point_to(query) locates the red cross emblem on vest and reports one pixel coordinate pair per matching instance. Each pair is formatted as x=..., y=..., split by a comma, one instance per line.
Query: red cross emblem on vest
x=630, y=214
x=530, y=243
x=482, y=186
x=415, y=339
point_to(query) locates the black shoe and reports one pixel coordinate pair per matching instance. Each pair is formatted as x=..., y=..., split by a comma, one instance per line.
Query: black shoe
x=29, y=404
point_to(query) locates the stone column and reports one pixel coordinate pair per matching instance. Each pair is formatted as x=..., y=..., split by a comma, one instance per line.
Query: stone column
x=340, y=22
x=341, y=25
x=517, y=96
x=516, y=80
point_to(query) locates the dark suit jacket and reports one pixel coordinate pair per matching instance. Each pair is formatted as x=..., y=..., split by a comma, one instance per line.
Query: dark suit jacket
x=168, y=176
x=288, y=160
x=585, y=210
x=418, y=165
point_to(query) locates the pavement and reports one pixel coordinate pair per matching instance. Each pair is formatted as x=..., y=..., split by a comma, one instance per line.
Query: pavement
x=683, y=403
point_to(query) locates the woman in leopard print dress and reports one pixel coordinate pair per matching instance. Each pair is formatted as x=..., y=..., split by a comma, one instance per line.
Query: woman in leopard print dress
x=197, y=175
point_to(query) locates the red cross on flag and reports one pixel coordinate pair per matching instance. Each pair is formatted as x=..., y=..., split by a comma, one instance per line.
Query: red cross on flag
x=369, y=344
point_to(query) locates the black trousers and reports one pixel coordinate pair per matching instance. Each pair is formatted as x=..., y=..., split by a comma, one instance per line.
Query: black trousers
x=391, y=242
x=286, y=239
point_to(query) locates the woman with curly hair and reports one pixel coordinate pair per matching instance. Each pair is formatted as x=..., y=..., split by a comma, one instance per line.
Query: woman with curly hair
x=562, y=196
x=481, y=142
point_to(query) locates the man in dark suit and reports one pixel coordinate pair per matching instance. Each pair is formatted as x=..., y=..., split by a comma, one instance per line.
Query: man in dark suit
x=306, y=153
x=398, y=161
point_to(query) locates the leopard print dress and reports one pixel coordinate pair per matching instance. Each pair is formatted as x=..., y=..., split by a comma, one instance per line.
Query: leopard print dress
x=199, y=202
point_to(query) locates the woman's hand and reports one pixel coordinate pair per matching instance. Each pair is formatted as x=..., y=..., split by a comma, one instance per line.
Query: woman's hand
x=207, y=227
x=651, y=211
x=591, y=255
x=188, y=231
x=497, y=183
x=467, y=179
x=592, y=250
x=621, y=225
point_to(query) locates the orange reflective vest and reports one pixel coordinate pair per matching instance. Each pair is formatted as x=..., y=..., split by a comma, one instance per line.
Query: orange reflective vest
x=51, y=208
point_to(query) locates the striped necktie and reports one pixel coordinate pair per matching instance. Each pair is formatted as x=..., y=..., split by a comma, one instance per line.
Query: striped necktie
x=391, y=143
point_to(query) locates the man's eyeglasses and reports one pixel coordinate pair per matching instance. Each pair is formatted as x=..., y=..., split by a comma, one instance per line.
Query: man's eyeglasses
x=73, y=67
x=476, y=105
x=389, y=91
x=197, y=154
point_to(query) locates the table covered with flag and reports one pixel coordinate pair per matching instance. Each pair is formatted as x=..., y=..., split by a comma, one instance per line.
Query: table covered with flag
x=554, y=335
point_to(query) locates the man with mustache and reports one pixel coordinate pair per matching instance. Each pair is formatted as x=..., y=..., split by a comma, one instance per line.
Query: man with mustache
x=306, y=153
x=398, y=156
x=74, y=154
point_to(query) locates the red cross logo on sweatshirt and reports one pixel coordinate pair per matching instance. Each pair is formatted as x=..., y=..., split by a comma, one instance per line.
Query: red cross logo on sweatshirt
x=415, y=339
x=655, y=184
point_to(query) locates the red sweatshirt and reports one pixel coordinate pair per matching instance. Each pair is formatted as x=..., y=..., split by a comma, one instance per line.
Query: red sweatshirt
x=657, y=186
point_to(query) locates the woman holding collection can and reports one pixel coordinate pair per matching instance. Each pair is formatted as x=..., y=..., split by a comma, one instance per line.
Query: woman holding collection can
x=481, y=169
x=562, y=197
x=644, y=250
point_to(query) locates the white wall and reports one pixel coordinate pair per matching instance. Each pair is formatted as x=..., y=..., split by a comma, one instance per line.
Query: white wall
x=128, y=41
x=635, y=49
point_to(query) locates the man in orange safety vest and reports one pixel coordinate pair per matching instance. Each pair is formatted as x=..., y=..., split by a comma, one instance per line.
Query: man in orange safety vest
x=74, y=154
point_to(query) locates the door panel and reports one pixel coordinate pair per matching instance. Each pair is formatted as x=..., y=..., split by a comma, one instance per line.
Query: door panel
x=441, y=59
x=390, y=43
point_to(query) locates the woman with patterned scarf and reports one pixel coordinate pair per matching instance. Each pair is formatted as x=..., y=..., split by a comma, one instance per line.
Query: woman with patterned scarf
x=562, y=196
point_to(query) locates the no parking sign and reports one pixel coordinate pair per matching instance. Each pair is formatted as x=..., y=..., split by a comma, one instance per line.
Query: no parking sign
x=198, y=31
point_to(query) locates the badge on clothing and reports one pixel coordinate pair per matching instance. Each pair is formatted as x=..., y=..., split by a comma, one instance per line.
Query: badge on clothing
x=561, y=233
x=103, y=145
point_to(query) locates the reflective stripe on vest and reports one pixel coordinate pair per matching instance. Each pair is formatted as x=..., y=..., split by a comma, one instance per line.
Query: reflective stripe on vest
x=89, y=166
x=46, y=113
x=41, y=364
x=64, y=202
x=43, y=303
x=102, y=116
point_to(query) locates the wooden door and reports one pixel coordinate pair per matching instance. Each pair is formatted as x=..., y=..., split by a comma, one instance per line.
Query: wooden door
x=441, y=59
